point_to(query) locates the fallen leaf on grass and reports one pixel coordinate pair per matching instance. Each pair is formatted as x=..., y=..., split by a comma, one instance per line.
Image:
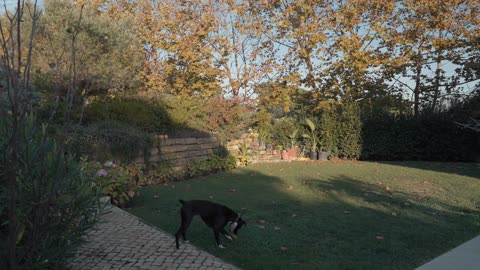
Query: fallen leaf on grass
x=261, y=227
x=379, y=237
x=261, y=221
x=283, y=248
x=294, y=215
x=232, y=190
x=211, y=196
x=156, y=196
x=394, y=214
x=276, y=228
x=290, y=187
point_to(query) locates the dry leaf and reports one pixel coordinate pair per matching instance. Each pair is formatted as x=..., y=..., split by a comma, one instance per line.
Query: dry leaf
x=294, y=215
x=290, y=187
x=261, y=221
x=379, y=237
x=394, y=214
x=284, y=248
x=261, y=226
x=276, y=228
x=232, y=190
x=211, y=196
x=156, y=196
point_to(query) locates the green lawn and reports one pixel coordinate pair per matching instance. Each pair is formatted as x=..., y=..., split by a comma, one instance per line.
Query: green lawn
x=330, y=215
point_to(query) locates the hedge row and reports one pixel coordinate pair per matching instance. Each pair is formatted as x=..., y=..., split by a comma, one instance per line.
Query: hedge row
x=432, y=137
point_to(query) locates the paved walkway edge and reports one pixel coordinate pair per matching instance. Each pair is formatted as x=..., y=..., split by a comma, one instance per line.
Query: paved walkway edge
x=123, y=241
x=464, y=257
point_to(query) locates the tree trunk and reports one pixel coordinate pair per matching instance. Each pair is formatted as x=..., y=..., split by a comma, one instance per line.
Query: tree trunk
x=436, y=88
x=416, y=91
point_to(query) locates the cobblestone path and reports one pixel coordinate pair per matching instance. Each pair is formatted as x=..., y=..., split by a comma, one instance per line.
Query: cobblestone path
x=122, y=241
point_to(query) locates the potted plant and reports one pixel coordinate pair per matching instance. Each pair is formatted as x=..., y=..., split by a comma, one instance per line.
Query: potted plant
x=292, y=152
x=312, y=136
x=323, y=154
x=277, y=150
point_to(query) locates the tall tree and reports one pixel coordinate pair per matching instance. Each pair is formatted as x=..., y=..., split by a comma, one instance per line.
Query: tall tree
x=432, y=37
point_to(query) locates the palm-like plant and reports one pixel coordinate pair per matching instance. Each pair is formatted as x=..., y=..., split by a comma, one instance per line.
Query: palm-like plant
x=312, y=134
x=293, y=138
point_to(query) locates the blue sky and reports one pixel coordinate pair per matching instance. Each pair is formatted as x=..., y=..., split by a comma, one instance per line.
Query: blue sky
x=12, y=3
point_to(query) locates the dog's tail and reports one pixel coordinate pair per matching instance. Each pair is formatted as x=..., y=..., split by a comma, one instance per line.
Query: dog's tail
x=182, y=201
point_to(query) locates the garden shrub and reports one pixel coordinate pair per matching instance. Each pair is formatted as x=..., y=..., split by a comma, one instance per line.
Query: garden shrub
x=108, y=140
x=118, y=183
x=348, y=131
x=264, y=125
x=211, y=165
x=160, y=172
x=431, y=136
x=340, y=131
x=56, y=203
x=281, y=130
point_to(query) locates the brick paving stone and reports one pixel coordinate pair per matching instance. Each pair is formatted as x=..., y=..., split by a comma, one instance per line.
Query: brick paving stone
x=122, y=241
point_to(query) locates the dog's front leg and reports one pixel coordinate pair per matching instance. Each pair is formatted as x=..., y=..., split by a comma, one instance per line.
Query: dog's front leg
x=226, y=234
x=217, y=238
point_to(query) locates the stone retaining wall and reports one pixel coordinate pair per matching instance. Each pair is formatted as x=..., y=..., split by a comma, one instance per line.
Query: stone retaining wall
x=180, y=152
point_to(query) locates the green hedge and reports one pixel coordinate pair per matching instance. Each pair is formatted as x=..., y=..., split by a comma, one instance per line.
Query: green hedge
x=433, y=137
x=340, y=131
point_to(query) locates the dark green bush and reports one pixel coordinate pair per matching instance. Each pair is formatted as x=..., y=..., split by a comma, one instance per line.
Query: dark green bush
x=108, y=140
x=212, y=165
x=432, y=136
x=348, y=131
x=340, y=131
x=281, y=130
x=55, y=201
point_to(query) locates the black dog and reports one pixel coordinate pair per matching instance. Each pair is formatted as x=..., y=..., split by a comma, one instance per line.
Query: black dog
x=216, y=216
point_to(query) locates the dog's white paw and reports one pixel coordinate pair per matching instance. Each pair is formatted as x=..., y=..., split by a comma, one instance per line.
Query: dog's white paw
x=228, y=237
x=220, y=246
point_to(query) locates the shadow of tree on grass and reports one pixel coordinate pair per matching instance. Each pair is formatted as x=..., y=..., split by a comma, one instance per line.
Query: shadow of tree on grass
x=325, y=223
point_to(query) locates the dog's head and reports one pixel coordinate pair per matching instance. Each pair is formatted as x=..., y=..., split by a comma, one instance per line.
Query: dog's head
x=235, y=227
